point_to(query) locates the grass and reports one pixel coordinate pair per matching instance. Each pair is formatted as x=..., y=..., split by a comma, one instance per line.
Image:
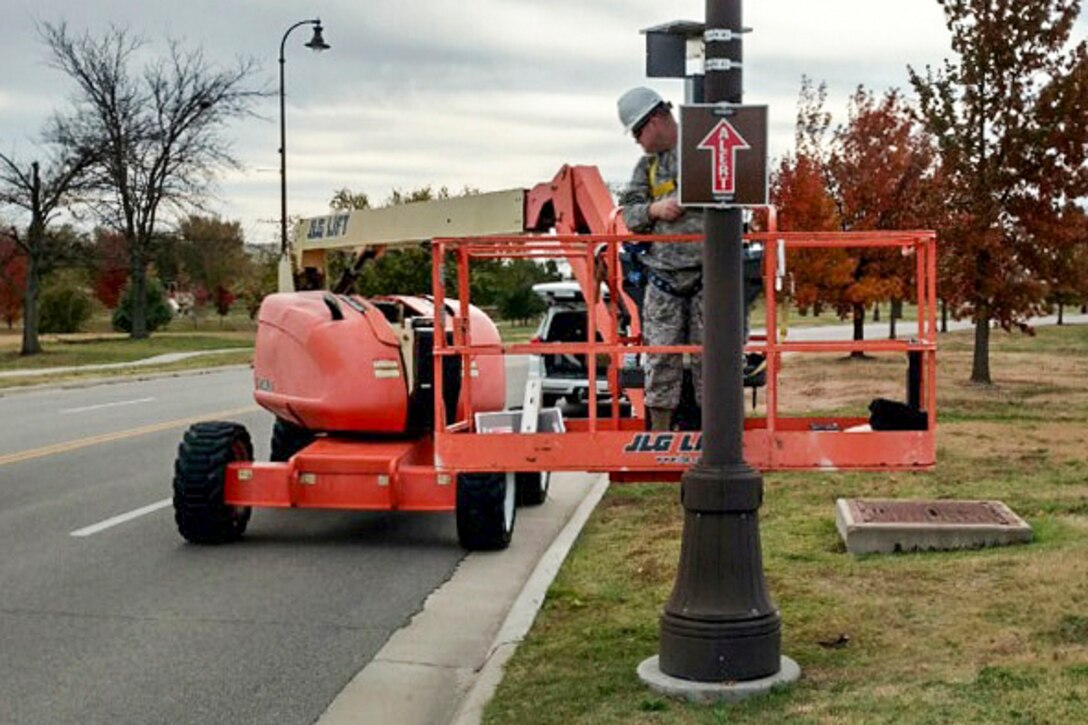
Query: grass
x=65, y=350
x=512, y=331
x=989, y=636
x=790, y=317
x=100, y=346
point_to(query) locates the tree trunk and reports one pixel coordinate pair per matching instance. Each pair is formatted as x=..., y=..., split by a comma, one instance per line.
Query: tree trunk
x=139, y=299
x=876, y=313
x=944, y=316
x=980, y=363
x=1061, y=314
x=31, y=344
x=895, y=313
x=859, y=329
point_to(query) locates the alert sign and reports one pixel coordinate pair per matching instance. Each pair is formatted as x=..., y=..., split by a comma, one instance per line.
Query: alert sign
x=723, y=156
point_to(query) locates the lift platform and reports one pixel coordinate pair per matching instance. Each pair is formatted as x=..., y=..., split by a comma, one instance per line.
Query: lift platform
x=608, y=441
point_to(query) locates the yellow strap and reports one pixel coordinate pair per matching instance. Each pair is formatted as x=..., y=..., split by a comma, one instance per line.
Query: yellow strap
x=659, y=190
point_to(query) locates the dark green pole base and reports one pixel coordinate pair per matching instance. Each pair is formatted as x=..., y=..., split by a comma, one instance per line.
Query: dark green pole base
x=719, y=624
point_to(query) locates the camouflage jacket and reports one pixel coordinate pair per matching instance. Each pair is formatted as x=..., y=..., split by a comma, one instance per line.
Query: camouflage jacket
x=680, y=264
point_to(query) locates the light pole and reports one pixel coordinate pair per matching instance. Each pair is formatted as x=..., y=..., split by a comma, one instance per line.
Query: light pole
x=317, y=43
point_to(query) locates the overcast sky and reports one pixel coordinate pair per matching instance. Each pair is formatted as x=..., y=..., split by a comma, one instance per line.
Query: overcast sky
x=494, y=94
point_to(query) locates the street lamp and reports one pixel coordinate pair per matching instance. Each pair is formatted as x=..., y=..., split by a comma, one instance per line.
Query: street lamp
x=317, y=43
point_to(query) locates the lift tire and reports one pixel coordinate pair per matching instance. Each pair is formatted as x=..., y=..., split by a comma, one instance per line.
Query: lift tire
x=532, y=487
x=199, y=471
x=486, y=510
x=288, y=439
x=549, y=400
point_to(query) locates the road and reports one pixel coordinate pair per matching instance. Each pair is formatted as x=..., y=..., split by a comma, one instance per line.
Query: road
x=107, y=616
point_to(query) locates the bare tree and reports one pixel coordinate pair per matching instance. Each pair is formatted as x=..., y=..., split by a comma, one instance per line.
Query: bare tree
x=41, y=195
x=159, y=132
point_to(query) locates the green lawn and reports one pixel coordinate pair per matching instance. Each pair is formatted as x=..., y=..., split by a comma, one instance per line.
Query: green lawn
x=989, y=636
x=67, y=350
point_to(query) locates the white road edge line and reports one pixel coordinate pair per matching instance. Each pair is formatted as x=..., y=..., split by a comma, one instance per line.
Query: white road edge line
x=119, y=403
x=122, y=518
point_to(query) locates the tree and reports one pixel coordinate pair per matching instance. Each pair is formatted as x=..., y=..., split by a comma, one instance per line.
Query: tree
x=1011, y=120
x=800, y=191
x=223, y=298
x=158, y=133
x=259, y=278
x=158, y=311
x=40, y=195
x=12, y=280
x=405, y=270
x=111, y=267
x=344, y=199
x=1066, y=267
x=65, y=305
x=211, y=252
x=882, y=171
x=516, y=299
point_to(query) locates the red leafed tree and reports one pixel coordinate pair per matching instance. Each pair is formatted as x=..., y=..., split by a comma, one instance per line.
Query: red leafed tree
x=883, y=176
x=12, y=280
x=223, y=298
x=1065, y=266
x=799, y=190
x=1011, y=118
x=111, y=270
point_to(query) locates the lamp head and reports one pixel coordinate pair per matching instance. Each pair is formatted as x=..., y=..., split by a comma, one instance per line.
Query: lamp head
x=317, y=43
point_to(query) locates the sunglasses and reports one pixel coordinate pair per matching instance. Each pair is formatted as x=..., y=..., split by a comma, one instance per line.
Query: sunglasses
x=636, y=131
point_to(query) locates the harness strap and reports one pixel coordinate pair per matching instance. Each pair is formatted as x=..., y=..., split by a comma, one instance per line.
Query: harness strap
x=664, y=188
x=665, y=286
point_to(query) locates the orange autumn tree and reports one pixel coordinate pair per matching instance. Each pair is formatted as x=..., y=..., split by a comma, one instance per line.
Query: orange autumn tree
x=883, y=177
x=1064, y=264
x=800, y=193
x=1010, y=114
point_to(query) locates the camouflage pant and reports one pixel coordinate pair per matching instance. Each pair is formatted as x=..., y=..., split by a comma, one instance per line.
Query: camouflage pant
x=671, y=320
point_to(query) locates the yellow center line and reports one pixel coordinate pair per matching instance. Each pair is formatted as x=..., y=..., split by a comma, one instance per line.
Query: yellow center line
x=119, y=435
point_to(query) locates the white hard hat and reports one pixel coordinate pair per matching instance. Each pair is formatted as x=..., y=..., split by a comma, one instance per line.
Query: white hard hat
x=636, y=104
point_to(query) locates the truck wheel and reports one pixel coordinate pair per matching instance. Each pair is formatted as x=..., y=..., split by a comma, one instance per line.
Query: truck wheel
x=288, y=439
x=201, y=515
x=532, y=487
x=485, y=510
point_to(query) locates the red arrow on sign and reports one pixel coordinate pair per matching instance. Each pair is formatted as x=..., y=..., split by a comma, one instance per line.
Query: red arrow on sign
x=723, y=142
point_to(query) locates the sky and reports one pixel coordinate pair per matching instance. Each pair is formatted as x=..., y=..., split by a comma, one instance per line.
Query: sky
x=492, y=94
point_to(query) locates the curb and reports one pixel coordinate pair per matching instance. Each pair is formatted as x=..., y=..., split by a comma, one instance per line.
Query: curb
x=523, y=613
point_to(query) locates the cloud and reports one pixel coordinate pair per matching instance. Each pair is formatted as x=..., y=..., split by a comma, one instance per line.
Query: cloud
x=490, y=93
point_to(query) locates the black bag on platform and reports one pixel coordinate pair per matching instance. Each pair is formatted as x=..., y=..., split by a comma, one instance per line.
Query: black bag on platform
x=887, y=414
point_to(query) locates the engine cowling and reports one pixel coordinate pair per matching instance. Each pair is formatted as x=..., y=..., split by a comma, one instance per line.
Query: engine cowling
x=343, y=363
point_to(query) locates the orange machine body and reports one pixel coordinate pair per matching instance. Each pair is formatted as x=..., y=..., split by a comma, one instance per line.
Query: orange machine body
x=343, y=363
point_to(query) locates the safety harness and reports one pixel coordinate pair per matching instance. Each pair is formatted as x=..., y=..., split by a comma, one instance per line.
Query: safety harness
x=664, y=188
x=665, y=286
x=657, y=191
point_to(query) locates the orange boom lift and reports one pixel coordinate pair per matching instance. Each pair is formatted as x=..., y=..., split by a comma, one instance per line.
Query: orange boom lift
x=397, y=403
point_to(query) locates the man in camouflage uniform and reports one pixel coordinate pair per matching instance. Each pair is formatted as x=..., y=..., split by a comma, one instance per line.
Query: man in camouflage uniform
x=672, y=311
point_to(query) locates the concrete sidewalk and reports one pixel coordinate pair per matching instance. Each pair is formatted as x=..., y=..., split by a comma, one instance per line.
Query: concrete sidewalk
x=443, y=666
